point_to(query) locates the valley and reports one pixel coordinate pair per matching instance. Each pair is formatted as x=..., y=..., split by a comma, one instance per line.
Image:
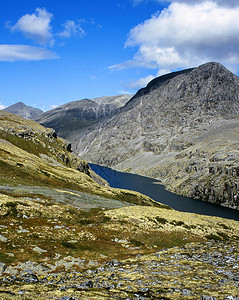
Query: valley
x=66, y=234
x=182, y=129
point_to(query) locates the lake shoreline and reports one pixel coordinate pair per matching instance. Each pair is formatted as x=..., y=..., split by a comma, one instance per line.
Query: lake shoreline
x=157, y=191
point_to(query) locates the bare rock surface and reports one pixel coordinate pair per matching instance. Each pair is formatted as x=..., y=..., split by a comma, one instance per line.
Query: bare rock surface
x=133, y=252
x=183, y=129
x=72, y=118
x=190, y=272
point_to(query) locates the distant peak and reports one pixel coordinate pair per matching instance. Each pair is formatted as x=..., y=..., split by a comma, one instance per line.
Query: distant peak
x=20, y=103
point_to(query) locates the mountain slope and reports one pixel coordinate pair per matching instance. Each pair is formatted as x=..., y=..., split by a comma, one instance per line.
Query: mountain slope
x=24, y=111
x=72, y=118
x=32, y=155
x=182, y=128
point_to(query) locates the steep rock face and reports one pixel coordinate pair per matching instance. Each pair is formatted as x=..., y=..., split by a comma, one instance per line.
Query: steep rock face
x=182, y=128
x=70, y=119
x=24, y=111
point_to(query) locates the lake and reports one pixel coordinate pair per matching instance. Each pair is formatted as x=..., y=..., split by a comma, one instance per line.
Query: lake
x=152, y=188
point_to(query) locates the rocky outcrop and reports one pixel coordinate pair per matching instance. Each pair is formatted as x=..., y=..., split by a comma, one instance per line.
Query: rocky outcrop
x=190, y=272
x=73, y=118
x=182, y=129
x=24, y=111
x=56, y=251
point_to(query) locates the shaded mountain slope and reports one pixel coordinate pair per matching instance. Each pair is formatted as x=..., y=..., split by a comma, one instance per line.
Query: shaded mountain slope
x=72, y=118
x=24, y=111
x=182, y=129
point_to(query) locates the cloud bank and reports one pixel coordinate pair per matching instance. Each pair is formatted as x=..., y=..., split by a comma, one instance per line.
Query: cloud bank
x=23, y=52
x=192, y=2
x=220, y=2
x=186, y=34
x=36, y=26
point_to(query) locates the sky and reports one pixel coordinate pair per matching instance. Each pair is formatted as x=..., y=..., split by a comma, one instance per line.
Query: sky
x=53, y=52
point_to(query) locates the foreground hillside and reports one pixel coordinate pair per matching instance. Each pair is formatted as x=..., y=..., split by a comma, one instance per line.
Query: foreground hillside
x=64, y=236
x=55, y=251
x=183, y=129
x=33, y=155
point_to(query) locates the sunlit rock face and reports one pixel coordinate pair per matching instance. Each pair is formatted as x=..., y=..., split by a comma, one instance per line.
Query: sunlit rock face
x=182, y=128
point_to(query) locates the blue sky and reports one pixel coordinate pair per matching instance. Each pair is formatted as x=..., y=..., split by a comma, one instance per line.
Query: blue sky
x=53, y=52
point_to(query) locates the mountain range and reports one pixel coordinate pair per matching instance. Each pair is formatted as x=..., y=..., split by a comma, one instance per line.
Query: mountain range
x=73, y=118
x=182, y=128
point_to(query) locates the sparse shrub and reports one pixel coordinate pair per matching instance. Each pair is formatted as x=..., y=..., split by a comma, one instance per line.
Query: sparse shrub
x=177, y=223
x=223, y=235
x=189, y=226
x=68, y=245
x=223, y=226
x=213, y=237
x=35, y=236
x=161, y=220
x=85, y=221
x=13, y=208
x=136, y=243
x=105, y=219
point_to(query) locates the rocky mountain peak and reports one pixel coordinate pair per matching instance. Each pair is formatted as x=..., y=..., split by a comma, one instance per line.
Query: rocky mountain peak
x=24, y=110
x=182, y=128
x=209, y=88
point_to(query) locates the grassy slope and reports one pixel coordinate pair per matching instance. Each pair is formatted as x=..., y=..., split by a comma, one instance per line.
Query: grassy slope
x=28, y=221
x=31, y=155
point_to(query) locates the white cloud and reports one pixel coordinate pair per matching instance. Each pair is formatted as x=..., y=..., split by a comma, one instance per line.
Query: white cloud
x=191, y=2
x=125, y=92
x=142, y=82
x=71, y=28
x=163, y=72
x=24, y=52
x=53, y=106
x=36, y=26
x=185, y=35
x=2, y=106
x=220, y=2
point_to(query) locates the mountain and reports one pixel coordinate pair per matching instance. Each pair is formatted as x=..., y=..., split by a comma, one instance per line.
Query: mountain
x=65, y=236
x=72, y=118
x=24, y=111
x=182, y=129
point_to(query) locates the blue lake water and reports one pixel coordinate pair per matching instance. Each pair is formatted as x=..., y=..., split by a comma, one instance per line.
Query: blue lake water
x=153, y=189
